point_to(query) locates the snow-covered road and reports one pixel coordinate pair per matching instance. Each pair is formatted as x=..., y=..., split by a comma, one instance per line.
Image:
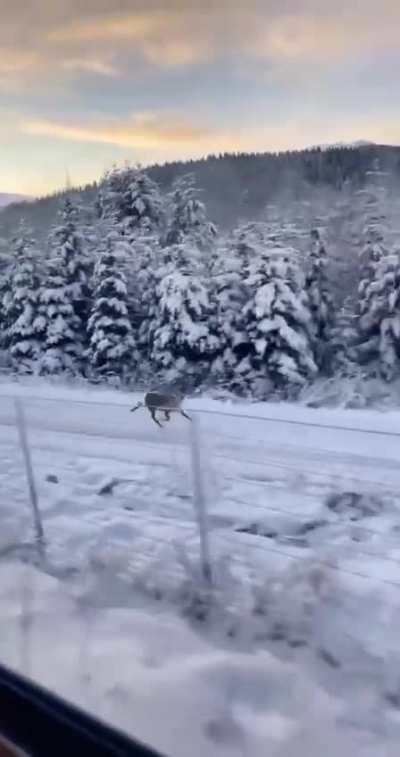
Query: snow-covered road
x=268, y=467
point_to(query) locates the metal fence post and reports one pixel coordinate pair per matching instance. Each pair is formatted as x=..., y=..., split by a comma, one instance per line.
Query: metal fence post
x=26, y=619
x=23, y=438
x=199, y=501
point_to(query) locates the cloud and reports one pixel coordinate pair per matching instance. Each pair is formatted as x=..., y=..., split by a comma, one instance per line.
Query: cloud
x=129, y=27
x=143, y=131
x=89, y=147
x=165, y=39
x=266, y=68
x=289, y=31
x=16, y=69
x=15, y=62
x=108, y=38
x=323, y=39
x=21, y=70
x=90, y=66
x=158, y=136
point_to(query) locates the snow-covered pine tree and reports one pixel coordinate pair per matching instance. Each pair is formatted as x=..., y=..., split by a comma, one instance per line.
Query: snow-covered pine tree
x=69, y=246
x=5, y=288
x=182, y=347
x=379, y=322
x=320, y=300
x=63, y=334
x=86, y=218
x=343, y=222
x=374, y=247
x=112, y=348
x=143, y=206
x=133, y=201
x=388, y=282
x=344, y=341
x=157, y=265
x=143, y=301
x=24, y=327
x=371, y=203
x=187, y=218
x=231, y=293
x=180, y=326
x=278, y=323
x=375, y=251
x=286, y=227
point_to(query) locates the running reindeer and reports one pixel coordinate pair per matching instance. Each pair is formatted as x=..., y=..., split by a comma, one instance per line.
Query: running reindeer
x=166, y=403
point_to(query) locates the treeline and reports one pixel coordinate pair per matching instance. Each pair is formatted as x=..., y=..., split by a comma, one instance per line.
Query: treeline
x=138, y=286
x=236, y=187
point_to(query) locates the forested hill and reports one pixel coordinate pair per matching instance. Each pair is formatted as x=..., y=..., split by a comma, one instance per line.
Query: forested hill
x=238, y=186
x=6, y=198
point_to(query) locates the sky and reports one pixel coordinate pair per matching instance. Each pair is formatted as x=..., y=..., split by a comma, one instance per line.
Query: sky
x=85, y=84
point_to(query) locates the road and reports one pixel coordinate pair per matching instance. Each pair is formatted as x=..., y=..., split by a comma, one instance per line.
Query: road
x=272, y=465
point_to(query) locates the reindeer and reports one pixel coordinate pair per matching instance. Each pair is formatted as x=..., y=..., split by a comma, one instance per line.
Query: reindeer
x=167, y=403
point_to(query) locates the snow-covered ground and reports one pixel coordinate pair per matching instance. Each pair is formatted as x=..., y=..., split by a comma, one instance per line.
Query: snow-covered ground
x=304, y=525
x=151, y=675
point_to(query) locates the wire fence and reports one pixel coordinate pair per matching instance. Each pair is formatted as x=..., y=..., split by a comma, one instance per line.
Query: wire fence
x=211, y=411
x=251, y=528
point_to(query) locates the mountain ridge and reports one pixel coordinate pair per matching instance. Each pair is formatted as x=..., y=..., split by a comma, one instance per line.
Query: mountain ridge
x=237, y=187
x=8, y=198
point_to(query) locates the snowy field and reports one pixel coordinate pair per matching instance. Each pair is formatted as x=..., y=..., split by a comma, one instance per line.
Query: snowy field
x=304, y=526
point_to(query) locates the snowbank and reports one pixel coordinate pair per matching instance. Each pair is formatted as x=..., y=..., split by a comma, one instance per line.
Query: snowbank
x=153, y=677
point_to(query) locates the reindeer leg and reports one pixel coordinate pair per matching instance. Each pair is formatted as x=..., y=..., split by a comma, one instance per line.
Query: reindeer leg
x=153, y=415
x=185, y=415
x=167, y=415
x=140, y=404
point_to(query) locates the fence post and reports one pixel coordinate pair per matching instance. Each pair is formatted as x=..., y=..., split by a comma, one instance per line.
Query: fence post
x=199, y=500
x=26, y=619
x=23, y=438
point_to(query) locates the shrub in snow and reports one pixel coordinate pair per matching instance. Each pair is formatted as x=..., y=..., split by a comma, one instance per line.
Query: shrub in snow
x=24, y=333
x=286, y=605
x=63, y=331
x=112, y=348
x=355, y=504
